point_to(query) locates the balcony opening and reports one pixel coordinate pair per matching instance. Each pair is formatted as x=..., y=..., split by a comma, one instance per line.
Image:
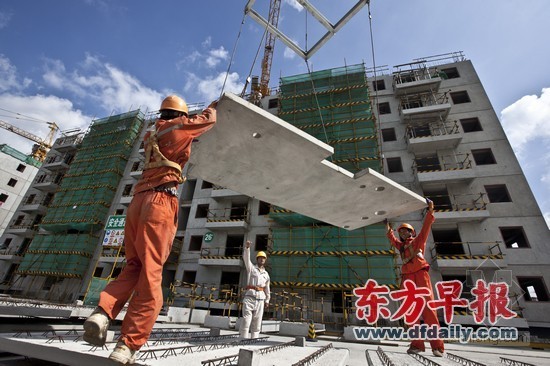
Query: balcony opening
x=498, y=193
x=234, y=245
x=388, y=134
x=394, y=165
x=230, y=281
x=30, y=199
x=440, y=198
x=189, y=277
x=127, y=190
x=263, y=208
x=188, y=190
x=514, y=237
x=534, y=288
x=384, y=108
x=195, y=244
x=378, y=85
x=460, y=97
x=206, y=185
x=448, y=241
x=3, y=198
x=183, y=217
x=168, y=277
x=420, y=131
x=135, y=166
x=12, y=182
x=119, y=211
x=427, y=163
x=471, y=125
x=6, y=243
x=238, y=211
x=261, y=242
x=484, y=157
x=21, y=168
x=450, y=73
x=202, y=211
x=273, y=103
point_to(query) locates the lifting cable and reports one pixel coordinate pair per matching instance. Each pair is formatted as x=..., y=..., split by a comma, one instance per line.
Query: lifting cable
x=376, y=111
x=233, y=54
x=313, y=87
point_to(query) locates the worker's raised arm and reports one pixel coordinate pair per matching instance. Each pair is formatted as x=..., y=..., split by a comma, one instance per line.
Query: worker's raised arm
x=426, y=226
x=246, y=256
x=391, y=235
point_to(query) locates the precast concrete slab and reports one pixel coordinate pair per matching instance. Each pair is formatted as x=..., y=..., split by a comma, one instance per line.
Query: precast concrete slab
x=255, y=153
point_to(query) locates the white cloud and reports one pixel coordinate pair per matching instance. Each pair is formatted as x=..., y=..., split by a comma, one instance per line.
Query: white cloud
x=43, y=107
x=527, y=120
x=207, y=43
x=8, y=77
x=215, y=56
x=209, y=87
x=111, y=88
x=289, y=53
x=4, y=19
x=295, y=4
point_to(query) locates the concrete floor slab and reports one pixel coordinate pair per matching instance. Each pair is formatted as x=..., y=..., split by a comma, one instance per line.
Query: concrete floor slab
x=255, y=153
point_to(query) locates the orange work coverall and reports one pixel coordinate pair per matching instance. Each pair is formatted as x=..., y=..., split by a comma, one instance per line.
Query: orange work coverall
x=151, y=224
x=416, y=270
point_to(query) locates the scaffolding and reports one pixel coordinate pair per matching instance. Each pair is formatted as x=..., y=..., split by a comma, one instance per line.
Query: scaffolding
x=68, y=232
x=315, y=267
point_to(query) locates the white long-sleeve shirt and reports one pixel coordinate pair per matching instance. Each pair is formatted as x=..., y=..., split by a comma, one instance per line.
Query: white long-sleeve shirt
x=257, y=277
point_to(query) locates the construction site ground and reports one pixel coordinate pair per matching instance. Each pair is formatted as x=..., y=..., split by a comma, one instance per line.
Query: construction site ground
x=190, y=344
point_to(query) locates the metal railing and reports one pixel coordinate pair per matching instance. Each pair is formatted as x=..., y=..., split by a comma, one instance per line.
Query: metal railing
x=432, y=129
x=459, y=202
x=425, y=99
x=492, y=248
x=228, y=214
x=442, y=163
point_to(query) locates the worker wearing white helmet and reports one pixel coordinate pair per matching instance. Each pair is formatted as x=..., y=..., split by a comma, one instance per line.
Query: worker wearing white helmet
x=257, y=293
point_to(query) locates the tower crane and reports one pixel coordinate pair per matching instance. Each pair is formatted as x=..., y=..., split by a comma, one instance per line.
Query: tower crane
x=274, y=10
x=41, y=146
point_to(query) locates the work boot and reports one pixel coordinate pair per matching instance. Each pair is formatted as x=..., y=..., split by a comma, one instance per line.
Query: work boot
x=437, y=353
x=95, y=328
x=255, y=335
x=413, y=350
x=123, y=354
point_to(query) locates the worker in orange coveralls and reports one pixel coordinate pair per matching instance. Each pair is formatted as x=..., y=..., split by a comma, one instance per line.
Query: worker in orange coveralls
x=415, y=268
x=151, y=224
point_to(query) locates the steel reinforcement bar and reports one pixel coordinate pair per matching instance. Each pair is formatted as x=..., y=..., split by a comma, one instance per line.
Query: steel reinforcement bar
x=463, y=361
x=314, y=356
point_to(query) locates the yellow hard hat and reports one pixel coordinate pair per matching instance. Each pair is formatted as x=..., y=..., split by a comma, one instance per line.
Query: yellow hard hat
x=407, y=226
x=261, y=254
x=174, y=103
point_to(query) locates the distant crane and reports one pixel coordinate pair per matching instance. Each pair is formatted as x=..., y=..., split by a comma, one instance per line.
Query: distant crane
x=41, y=146
x=274, y=10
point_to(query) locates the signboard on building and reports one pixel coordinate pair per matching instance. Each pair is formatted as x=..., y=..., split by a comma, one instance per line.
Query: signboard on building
x=114, y=230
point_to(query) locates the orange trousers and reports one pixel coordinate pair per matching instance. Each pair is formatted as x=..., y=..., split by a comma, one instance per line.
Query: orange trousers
x=422, y=279
x=151, y=224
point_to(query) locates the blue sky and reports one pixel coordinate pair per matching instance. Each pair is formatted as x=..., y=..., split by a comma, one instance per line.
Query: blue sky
x=70, y=61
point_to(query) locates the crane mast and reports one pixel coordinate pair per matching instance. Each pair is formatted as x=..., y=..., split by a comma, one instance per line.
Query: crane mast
x=274, y=10
x=40, y=149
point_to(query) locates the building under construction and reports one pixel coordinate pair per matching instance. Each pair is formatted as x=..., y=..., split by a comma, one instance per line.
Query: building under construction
x=427, y=125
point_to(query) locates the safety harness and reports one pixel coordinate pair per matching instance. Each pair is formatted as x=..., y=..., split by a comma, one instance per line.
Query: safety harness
x=411, y=253
x=152, y=150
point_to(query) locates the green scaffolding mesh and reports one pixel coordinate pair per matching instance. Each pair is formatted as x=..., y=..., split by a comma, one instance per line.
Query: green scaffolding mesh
x=59, y=255
x=324, y=255
x=334, y=106
x=82, y=202
x=94, y=289
x=84, y=197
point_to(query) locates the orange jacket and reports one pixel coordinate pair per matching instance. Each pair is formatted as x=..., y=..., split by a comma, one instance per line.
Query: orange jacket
x=175, y=145
x=417, y=245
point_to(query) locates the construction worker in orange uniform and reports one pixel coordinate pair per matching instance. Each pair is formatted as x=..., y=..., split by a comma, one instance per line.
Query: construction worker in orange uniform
x=257, y=293
x=151, y=224
x=415, y=268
